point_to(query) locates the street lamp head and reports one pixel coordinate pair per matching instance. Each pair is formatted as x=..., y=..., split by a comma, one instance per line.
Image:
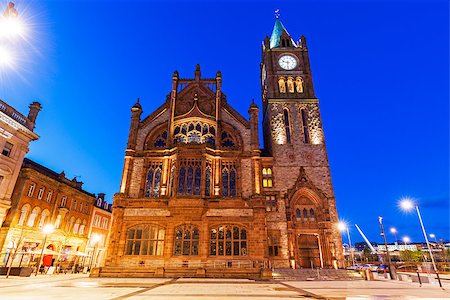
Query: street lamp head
x=342, y=226
x=49, y=228
x=432, y=235
x=407, y=204
x=406, y=239
x=393, y=230
x=95, y=238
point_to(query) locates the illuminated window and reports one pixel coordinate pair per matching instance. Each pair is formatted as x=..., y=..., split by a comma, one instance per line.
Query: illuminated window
x=228, y=240
x=305, y=126
x=273, y=246
x=145, y=240
x=287, y=125
x=41, y=193
x=271, y=203
x=63, y=201
x=153, y=183
x=32, y=218
x=186, y=240
x=195, y=132
x=189, y=178
x=229, y=179
x=49, y=196
x=31, y=190
x=23, y=214
x=267, y=177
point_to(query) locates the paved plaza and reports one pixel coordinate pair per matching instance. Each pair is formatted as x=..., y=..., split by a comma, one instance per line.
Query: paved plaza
x=82, y=287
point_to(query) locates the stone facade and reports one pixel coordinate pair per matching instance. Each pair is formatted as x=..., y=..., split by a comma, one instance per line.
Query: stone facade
x=16, y=132
x=199, y=197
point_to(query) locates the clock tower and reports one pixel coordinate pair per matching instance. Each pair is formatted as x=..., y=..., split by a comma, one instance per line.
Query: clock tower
x=295, y=151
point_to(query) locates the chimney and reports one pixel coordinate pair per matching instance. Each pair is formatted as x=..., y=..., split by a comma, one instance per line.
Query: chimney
x=35, y=107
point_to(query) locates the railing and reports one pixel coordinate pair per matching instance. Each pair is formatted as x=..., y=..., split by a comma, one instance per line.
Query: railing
x=15, y=115
x=212, y=264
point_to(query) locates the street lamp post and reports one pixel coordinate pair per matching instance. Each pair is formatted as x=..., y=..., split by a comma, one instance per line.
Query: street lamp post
x=48, y=229
x=391, y=266
x=408, y=205
x=343, y=226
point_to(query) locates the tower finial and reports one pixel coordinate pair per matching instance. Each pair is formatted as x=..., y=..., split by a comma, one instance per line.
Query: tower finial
x=277, y=13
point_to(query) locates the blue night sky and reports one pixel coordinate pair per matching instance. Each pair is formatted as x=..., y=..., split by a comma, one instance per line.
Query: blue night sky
x=380, y=71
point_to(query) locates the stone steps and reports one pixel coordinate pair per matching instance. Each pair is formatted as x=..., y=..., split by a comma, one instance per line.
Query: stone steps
x=310, y=274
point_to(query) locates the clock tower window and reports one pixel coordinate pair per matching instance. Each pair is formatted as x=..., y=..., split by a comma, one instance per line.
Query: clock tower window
x=282, y=85
x=290, y=85
x=287, y=125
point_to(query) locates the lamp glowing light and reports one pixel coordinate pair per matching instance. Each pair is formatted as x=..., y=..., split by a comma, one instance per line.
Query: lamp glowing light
x=48, y=229
x=342, y=226
x=393, y=230
x=95, y=238
x=407, y=204
x=6, y=57
x=12, y=27
x=406, y=239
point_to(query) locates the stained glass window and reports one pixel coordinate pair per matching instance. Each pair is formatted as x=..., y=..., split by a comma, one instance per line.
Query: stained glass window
x=229, y=184
x=153, y=182
x=287, y=126
x=228, y=240
x=195, y=132
x=198, y=176
x=225, y=186
x=189, y=181
x=181, y=180
x=208, y=181
x=186, y=240
x=305, y=126
x=145, y=240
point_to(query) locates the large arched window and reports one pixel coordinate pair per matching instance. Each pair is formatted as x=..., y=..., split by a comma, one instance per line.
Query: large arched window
x=23, y=214
x=195, y=132
x=208, y=179
x=287, y=126
x=153, y=182
x=145, y=240
x=229, y=188
x=305, y=211
x=76, y=226
x=32, y=218
x=186, y=240
x=190, y=177
x=45, y=214
x=228, y=240
x=305, y=126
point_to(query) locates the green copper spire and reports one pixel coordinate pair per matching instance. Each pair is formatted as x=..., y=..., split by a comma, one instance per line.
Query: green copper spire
x=277, y=31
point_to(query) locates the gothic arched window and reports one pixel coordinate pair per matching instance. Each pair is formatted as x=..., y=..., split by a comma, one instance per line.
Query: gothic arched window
x=312, y=216
x=145, y=240
x=153, y=182
x=290, y=85
x=190, y=177
x=195, y=132
x=282, y=85
x=229, y=185
x=305, y=214
x=208, y=181
x=287, y=125
x=228, y=240
x=299, y=84
x=305, y=126
x=186, y=240
x=298, y=214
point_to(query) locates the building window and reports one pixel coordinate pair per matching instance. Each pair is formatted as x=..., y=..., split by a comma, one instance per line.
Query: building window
x=49, y=196
x=31, y=190
x=74, y=206
x=32, y=218
x=186, y=240
x=104, y=223
x=76, y=226
x=273, y=246
x=271, y=203
x=228, y=241
x=305, y=214
x=229, y=179
x=305, y=126
x=190, y=175
x=153, y=183
x=43, y=219
x=41, y=193
x=81, y=231
x=195, y=133
x=7, y=149
x=58, y=222
x=287, y=125
x=63, y=201
x=81, y=207
x=23, y=214
x=208, y=180
x=267, y=177
x=145, y=240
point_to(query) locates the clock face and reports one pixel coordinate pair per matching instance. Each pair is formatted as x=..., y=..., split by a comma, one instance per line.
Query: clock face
x=287, y=62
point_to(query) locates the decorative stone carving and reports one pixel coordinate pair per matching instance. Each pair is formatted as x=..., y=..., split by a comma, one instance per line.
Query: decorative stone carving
x=151, y=212
x=229, y=212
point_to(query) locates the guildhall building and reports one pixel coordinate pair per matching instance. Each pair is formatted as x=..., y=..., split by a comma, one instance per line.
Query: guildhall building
x=200, y=196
